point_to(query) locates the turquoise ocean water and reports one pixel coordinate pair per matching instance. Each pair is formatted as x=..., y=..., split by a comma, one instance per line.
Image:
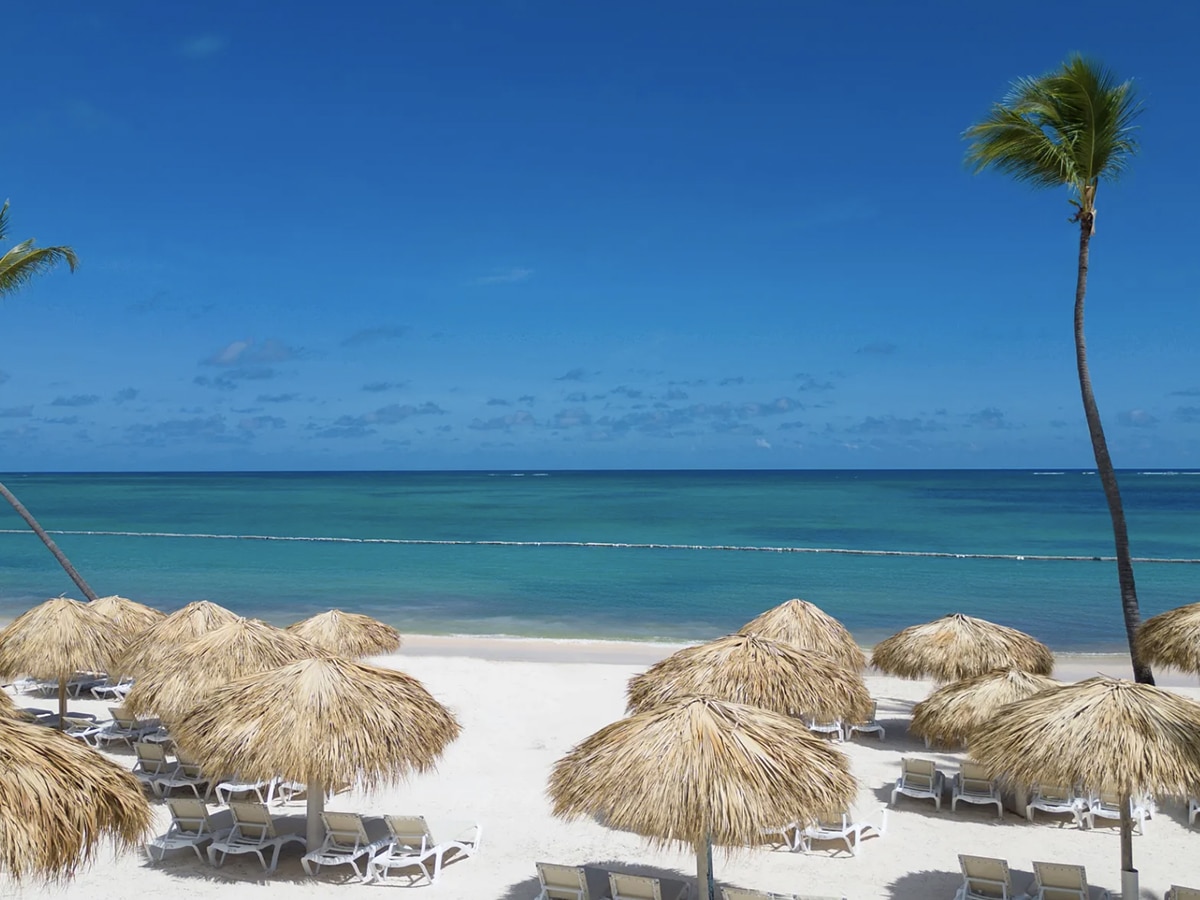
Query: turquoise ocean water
x=675, y=555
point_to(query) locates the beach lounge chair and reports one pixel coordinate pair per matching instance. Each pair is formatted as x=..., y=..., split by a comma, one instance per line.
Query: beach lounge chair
x=870, y=724
x=561, y=882
x=112, y=690
x=1193, y=810
x=1056, y=799
x=346, y=843
x=838, y=827
x=272, y=790
x=1060, y=881
x=919, y=778
x=984, y=878
x=79, y=727
x=187, y=774
x=152, y=763
x=1178, y=892
x=1108, y=806
x=641, y=887
x=412, y=846
x=191, y=826
x=254, y=831
x=832, y=727
x=124, y=727
x=974, y=784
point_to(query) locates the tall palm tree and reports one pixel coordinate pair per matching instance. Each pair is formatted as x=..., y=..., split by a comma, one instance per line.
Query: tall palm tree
x=17, y=267
x=1071, y=128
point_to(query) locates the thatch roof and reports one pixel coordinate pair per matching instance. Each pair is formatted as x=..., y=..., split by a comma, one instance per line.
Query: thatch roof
x=8, y=707
x=351, y=635
x=59, y=801
x=156, y=644
x=130, y=617
x=700, y=767
x=1172, y=639
x=215, y=658
x=806, y=626
x=1103, y=734
x=745, y=668
x=56, y=639
x=956, y=646
x=323, y=720
x=949, y=715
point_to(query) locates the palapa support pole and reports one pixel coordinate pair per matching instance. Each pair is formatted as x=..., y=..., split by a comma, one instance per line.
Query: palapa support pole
x=704, y=877
x=62, y=703
x=315, y=797
x=1130, y=889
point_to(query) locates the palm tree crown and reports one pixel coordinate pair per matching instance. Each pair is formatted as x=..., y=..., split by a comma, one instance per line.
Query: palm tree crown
x=24, y=261
x=1069, y=127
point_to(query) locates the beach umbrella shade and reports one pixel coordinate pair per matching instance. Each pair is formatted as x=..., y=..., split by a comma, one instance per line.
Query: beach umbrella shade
x=323, y=722
x=748, y=669
x=351, y=635
x=956, y=646
x=130, y=617
x=1103, y=734
x=949, y=715
x=701, y=772
x=154, y=646
x=806, y=626
x=233, y=650
x=56, y=639
x=1172, y=639
x=60, y=801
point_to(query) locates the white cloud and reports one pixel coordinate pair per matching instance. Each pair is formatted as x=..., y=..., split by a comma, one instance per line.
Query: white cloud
x=507, y=276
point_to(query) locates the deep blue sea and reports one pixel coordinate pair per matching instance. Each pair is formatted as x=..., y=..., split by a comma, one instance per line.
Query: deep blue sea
x=674, y=555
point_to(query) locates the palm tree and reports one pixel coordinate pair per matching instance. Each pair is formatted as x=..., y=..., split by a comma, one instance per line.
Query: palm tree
x=17, y=267
x=1071, y=128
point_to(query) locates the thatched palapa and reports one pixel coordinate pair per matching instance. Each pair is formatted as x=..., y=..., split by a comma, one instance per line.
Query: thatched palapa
x=1172, y=639
x=746, y=668
x=59, y=801
x=806, y=626
x=238, y=648
x=321, y=721
x=955, y=647
x=954, y=711
x=702, y=770
x=156, y=645
x=351, y=635
x=130, y=617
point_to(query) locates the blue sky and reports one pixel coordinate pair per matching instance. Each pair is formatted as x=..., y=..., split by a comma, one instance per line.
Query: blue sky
x=581, y=235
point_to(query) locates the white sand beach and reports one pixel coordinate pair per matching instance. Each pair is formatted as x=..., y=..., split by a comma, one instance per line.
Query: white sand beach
x=523, y=704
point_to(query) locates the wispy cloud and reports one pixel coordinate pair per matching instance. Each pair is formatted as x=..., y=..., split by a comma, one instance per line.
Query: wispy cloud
x=228, y=381
x=203, y=46
x=505, y=276
x=877, y=348
x=378, y=387
x=76, y=400
x=375, y=335
x=894, y=425
x=391, y=414
x=991, y=417
x=125, y=395
x=1137, y=418
x=520, y=418
x=277, y=398
x=572, y=375
x=16, y=412
x=247, y=353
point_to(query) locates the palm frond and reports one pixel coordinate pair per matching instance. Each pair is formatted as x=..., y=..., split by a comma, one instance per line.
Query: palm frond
x=24, y=262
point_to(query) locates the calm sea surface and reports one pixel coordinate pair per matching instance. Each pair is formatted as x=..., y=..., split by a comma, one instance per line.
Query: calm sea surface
x=677, y=555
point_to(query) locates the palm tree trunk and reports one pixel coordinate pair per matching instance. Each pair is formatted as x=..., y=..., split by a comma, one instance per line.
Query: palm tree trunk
x=1104, y=466
x=48, y=541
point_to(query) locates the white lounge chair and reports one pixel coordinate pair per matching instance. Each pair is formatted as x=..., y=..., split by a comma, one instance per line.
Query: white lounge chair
x=346, y=843
x=1060, y=881
x=191, y=826
x=919, y=778
x=1108, y=806
x=1193, y=810
x=254, y=831
x=152, y=764
x=112, y=690
x=744, y=894
x=1178, y=892
x=870, y=724
x=412, y=846
x=561, y=882
x=985, y=878
x=838, y=827
x=974, y=784
x=830, y=727
x=641, y=887
x=1056, y=799
x=272, y=790
x=187, y=774
x=124, y=727
x=78, y=727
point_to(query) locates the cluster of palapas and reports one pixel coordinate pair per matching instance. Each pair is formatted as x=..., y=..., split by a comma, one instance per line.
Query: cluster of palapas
x=238, y=694
x=715, y=750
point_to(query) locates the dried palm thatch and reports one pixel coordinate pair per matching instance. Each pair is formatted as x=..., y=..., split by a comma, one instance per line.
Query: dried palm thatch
x=351, y=635
x=806, y=626
x=1103, y=734
x=1172, y=639
x=701, y=770
x=56, y=639
x=233, y=650
x=949, y=715
x=130, y=617
x=156, y=645
x=59, y=801
x=746, y=668
x=8, y=708
x=320, y=721
x=955, y=647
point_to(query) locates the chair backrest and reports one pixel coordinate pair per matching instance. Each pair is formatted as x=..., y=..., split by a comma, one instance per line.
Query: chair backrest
x=252, y=819
x=410, y=831
x=344, y=829
x=870, y=720
x=917, y=772
x=1110, y=799
x=189, y=815
x=976, y=777
x=1178, y=892
x=562, y=882
x=832, y=821
x=1056, y=793
x=744, y=894
x=986, y=876
x=634, y=887
x=1061, y=881
x=123, y=717
x=151, y=757
x=187, y=764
